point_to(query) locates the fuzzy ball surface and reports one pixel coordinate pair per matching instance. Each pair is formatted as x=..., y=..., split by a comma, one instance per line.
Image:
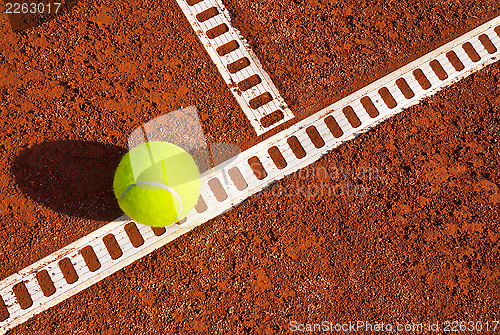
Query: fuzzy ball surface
x=157, y=183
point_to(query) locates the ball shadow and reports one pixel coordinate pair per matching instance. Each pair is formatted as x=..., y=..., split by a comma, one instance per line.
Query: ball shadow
x=71, y=177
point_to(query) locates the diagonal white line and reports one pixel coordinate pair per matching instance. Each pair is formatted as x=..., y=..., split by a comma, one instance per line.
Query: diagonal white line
x=322, y=121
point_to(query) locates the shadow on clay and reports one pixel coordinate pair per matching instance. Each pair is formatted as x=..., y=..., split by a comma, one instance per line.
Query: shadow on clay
x=71, y=177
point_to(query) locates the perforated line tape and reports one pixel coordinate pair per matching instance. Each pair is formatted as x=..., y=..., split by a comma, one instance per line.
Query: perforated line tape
x=321, y=121
x=275, y=110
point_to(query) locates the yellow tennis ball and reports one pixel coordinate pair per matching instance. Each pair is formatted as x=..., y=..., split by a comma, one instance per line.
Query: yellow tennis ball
x=157, y=183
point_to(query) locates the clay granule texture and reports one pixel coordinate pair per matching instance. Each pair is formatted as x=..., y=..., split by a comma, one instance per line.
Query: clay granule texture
x=319, y=51
x=419, y=244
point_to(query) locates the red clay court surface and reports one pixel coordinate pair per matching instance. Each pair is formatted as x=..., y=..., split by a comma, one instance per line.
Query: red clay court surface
x=421, y=244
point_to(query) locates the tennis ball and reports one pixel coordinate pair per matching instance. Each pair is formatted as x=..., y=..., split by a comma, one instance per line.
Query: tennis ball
x=157, y=183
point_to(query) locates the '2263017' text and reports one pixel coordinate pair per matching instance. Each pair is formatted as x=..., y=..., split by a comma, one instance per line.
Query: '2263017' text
x=32, y=8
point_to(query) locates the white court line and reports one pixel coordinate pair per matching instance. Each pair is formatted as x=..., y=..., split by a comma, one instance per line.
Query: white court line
x=254, y=114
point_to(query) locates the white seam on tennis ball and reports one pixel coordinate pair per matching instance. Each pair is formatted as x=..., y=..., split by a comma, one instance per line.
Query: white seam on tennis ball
x=154, y=183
